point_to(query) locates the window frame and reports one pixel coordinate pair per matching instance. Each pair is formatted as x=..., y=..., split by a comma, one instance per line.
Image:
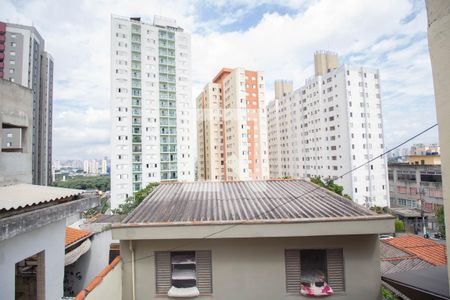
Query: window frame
x=203, y=271
x=335, y=269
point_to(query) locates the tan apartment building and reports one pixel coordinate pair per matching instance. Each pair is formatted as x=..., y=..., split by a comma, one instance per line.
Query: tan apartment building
x=231, y=127
x=249, y=240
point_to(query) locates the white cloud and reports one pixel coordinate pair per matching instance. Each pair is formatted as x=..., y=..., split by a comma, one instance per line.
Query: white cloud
x=364, y=32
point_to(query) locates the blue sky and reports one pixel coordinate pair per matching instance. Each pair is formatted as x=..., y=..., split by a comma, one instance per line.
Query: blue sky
x=278, y=39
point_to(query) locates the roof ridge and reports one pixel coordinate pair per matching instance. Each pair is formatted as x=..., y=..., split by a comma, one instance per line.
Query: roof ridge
x=97, y=279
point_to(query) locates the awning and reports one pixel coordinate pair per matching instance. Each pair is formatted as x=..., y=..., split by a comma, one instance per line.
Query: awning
x=76, y=253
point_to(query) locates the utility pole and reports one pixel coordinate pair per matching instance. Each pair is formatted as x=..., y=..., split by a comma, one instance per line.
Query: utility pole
x=422, y=214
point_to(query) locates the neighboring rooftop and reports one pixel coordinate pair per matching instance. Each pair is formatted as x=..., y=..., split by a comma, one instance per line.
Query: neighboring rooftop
x=23, y=195
x=409, y=212
x=419, y=247
x=99, y=278
x=73, y=235
x=271, y=201
x=431, y=283
x=395, y=260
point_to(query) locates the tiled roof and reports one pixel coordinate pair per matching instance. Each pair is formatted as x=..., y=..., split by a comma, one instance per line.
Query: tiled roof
x=245, y=201
x=73, y=235
x=98, y=279
x=22, y=195
x=425, y=249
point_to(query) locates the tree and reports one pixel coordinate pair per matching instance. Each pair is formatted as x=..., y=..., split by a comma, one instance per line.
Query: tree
x=399, y=226
x=103, y=206
x=330, y=185
x=441, y=220
x=101, y=183
x=132, y=202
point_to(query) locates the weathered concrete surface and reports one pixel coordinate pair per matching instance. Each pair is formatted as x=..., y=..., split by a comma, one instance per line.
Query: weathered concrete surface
x=18, y=224
x=254, y=268
x=50, y=239
x=439, y=45
x=16, y=108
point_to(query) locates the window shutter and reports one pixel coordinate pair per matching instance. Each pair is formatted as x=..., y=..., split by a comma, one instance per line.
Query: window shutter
x=292, y=261
x=163, y=272
x=204, y=271
x=335, y=265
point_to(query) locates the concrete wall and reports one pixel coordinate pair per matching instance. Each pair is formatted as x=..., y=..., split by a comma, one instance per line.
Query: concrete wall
x=92, y=263
x=50, y=239
x=16, y=108
x=111, y=286
x=251, y=269
x=439, y=45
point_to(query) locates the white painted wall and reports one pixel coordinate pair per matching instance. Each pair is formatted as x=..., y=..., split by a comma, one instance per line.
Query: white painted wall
x=111, y=286
x=93, y=262
x=50, y=239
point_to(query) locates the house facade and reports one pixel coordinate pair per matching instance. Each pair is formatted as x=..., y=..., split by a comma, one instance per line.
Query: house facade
x=32, y=234
x=250, y=240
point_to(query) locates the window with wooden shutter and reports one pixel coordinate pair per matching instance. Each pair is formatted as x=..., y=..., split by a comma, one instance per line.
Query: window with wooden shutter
x=163, y=272
x=312, y=266
x=204, y=271
x=292, y=262
x=335, y=269
x=183, y=272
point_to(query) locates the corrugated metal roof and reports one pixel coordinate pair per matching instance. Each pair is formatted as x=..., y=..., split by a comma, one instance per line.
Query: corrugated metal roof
x=396, y=260
x=22, y=195
x=237, y=201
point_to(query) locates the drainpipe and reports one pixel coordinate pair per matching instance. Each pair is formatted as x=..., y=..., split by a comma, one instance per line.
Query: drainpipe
x=133, y=279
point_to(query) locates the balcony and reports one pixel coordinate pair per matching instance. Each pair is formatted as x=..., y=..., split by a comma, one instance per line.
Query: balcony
x=168, y=131
x=135, y=66
x=136, y=75
x=137, y=168
x=136, y=57
x=136, y=112
x=137, y=139
x=136, y=121
x=168, y=140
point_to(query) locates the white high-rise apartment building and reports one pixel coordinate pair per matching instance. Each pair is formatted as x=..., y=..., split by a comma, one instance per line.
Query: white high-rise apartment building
x=329, y=126
x=151, y=105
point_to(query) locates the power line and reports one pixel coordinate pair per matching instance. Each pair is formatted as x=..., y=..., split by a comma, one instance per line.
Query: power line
x=293, y=197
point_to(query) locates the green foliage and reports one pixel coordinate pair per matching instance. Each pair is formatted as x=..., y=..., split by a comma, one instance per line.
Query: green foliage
x=102, y=208
x=399, y=226
x=387, y=294
x=441, y=220
x=132, y=202
x=379, y=209
x=101, y=183
x=330, y=185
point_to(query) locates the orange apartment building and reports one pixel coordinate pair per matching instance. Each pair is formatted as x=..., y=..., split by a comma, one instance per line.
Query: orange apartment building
x=232, y=127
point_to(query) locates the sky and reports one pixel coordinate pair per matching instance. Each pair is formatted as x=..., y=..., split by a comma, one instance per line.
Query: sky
x=276, y=38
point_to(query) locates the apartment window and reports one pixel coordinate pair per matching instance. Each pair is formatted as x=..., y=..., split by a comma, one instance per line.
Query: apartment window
x=401, y=189
x=320, y=270
x=183, y=273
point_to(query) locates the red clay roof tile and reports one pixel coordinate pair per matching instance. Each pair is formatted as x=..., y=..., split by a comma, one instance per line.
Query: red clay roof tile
x=98, y=279
x=73, y=235
x=425, y=249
